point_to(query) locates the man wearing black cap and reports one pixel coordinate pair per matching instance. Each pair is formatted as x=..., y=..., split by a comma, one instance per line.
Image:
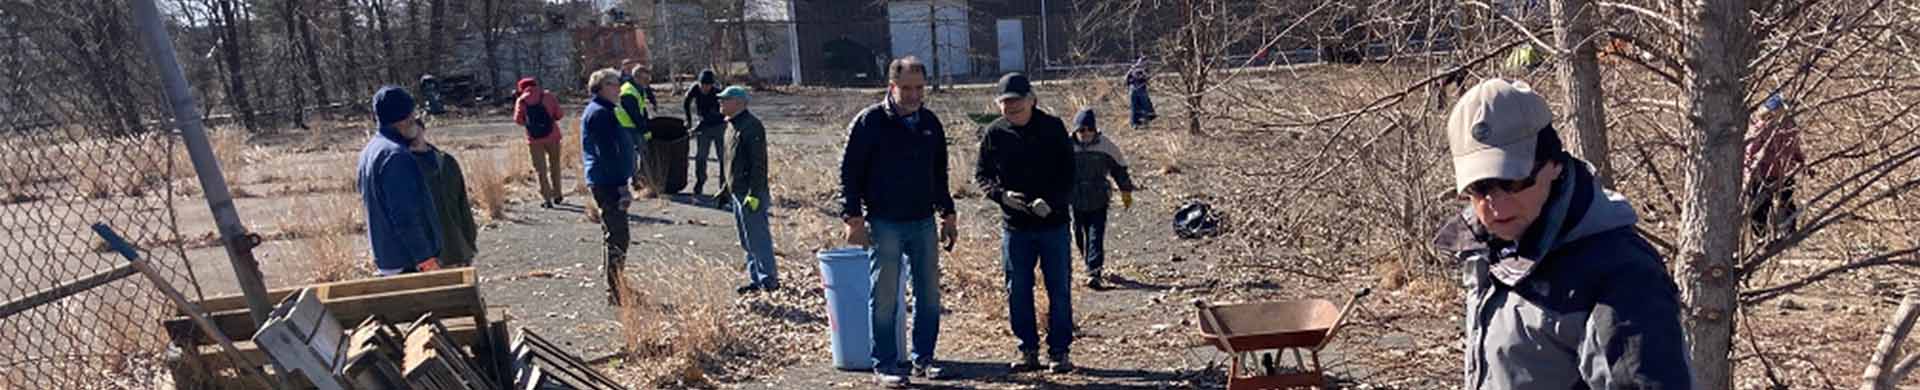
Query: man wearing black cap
x=712, y=125
x=401, y=227
x=1026, y=165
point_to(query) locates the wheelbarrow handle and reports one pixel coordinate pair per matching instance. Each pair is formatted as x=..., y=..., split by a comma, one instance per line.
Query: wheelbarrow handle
x=1219, y=328
x=1341, y=321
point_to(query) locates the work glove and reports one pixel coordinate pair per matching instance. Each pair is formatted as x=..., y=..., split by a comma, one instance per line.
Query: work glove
x=1126, y=199
x=752, y=203
x=1040, y=208
x=1016, y=200
x=648, y=136
x=949, y=231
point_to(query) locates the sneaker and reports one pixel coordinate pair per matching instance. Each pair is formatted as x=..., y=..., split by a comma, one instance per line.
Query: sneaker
x=546, y=204
x=890, y=380
x=1029, y=361
x=929, y=371
x=1094, y=283
x=559, y=200
x=747, y=288
x=1060, y=365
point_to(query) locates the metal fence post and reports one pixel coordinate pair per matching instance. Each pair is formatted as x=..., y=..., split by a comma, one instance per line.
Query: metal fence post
x=233, y=234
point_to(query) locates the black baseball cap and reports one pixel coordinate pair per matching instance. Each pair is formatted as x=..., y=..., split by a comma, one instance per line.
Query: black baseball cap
x=1014, y=86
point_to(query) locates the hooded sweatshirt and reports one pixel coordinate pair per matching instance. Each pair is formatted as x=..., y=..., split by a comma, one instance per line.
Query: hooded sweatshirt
x=1582, y=301
x=401, y=226
x=532, y=95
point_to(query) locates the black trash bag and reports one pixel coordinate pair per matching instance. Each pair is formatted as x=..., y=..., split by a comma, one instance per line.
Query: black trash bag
x=1195, y=220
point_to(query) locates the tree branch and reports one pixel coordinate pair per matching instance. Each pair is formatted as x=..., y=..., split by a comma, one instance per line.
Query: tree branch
x=1538, y=43
x=1762, y=295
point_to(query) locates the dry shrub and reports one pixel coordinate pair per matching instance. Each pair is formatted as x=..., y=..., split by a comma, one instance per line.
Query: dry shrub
x=229, y=146
x=570, y=156
x=677, y=313
x=331, y=258
x=519, y=162
x=592, y=209
x=325, y=228
x=487, y=184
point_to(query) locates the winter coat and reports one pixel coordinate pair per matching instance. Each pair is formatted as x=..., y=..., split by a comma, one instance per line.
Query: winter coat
x=892, y=170
x=401, y=228
x=1581, y=302
x=1092, y=164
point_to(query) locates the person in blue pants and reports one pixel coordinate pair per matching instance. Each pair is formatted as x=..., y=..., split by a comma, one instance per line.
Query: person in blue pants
x=1137, y=77
x=893, y=181
x=747, y=188
x=1026, y=165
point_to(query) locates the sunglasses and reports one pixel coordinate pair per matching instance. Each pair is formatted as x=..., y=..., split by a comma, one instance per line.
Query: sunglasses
x=1485, y=188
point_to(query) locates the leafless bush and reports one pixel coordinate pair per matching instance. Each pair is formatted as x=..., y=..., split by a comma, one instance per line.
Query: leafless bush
x=487, y=185
x=677, y=313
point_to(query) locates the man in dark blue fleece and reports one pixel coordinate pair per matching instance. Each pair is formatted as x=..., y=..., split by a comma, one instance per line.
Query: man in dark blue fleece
x=400, y=221
x=893, y=182
x=607, y=151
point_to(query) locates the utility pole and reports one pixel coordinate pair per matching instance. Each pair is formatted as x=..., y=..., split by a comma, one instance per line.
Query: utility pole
x=233, y=234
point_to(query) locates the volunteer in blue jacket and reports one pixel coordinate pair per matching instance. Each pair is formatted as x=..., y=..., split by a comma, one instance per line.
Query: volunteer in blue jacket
x=607, y=149
x=1562, y=293
x=393, y=187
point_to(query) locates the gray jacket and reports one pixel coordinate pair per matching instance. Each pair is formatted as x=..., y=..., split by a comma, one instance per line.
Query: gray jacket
x=1582, y=302
x=1092, y=164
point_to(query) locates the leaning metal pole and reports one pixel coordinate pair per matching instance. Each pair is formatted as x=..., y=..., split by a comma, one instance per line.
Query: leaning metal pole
x=233, y=234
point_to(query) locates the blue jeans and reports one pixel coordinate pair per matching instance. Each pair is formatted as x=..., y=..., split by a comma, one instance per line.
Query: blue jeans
x=916, y=240
x=1090, y=235
x=1142, y=107
x=1049, y=249
x=757, y=240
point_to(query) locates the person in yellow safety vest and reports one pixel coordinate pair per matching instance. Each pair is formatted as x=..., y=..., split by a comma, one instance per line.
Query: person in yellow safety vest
x=1526, y=57
x=635, y=95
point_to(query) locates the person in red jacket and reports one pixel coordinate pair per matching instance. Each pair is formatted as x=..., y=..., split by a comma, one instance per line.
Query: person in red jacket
x=539, y=111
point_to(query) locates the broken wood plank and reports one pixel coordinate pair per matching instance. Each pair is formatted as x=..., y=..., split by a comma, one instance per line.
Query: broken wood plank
x=446, y=301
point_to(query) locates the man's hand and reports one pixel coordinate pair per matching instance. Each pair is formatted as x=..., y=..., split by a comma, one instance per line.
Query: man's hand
x=752, y=203
x=1126, y=199
x=431, y=264
x=1041, y=209
x=857, y=232
x=949, y=230
x=1016, y=201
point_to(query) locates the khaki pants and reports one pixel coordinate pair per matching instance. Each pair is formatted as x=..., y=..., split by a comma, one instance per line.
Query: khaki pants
x=546, y=167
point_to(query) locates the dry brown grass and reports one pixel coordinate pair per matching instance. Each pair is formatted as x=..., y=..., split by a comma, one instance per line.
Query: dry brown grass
x=230, y=147
x=677, y=314
x=519, y=163
x=325, y=228
x=487, y=186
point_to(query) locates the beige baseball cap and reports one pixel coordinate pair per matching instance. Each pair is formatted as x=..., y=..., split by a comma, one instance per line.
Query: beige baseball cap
x=1493, y=131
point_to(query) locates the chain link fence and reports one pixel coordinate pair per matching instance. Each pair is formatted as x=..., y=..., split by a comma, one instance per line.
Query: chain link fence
x=82, y=141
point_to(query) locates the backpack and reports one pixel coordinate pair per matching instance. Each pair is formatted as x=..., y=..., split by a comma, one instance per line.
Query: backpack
x=539, y=122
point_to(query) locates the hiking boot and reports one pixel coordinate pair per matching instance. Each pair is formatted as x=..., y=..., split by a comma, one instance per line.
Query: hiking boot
x=1060, y=365
x=894, y=381
x=929, y=371
x=1095, y=280
x=1029, y=361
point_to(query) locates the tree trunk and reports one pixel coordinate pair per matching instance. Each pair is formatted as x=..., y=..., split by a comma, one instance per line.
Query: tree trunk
x=1881, y=371
x=410, y=47
x=490, y=37
x=349, y=51
x=230, y=45
x=1719, y=49
x=1580, y=77
x=289, y=11
x=309, y=50
x=386, y=40
x=933, y=39
x=436, y=35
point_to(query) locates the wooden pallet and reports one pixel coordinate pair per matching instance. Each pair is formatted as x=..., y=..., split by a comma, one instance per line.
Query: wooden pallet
x=452, y=296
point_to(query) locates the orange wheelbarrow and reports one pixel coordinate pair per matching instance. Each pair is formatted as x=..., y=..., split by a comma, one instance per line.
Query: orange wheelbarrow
x=1245, y=330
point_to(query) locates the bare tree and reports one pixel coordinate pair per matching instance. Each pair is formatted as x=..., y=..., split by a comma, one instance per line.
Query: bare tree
x=1719, y=47
x=1579, y=76
x=233, y=50
x=1887, y=367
